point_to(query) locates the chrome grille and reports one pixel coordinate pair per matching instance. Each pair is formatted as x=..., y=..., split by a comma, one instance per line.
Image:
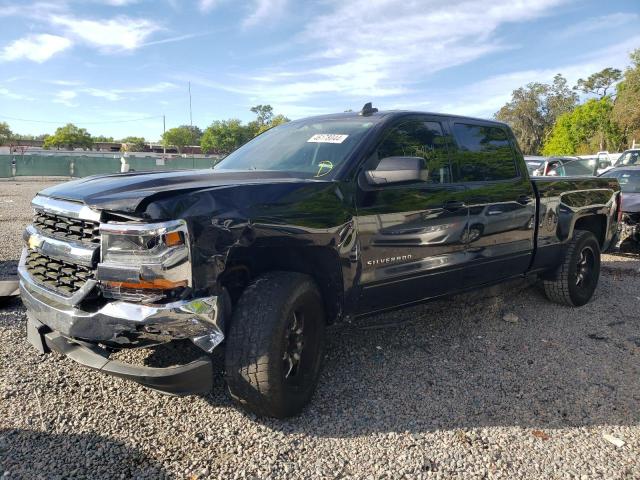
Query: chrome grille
x=66, y=228
x=61, y=277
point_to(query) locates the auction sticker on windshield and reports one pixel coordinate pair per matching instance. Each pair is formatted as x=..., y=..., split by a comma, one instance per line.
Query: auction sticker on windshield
x=327, y=138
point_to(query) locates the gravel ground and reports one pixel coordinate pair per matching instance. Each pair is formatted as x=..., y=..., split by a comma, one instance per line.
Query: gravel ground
x=445, y=390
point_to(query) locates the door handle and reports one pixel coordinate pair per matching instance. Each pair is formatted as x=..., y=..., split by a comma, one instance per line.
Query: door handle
x=524, y=199
x=453, y=205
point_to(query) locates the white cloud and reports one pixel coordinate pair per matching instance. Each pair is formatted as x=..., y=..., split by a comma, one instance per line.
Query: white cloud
x=102, y=93
x=177, y=38
x=260, y=11
x=119, y=3
x=116, y=94
x=263, y=11
x=382, y=48
x=65, y=97
x=116, y=33
x=37, y=48
x=12, y=95
x=65, y=83
x=604, y=22
x=208, y=5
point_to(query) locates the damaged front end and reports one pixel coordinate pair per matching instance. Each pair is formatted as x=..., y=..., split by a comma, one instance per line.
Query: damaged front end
x=630, y=226
x=92, y=285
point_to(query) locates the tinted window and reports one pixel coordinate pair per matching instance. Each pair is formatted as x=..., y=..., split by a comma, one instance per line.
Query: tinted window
x=628, y=158
x=629, y=179
x=483, y=154
x=417, y=139
x=580, y=168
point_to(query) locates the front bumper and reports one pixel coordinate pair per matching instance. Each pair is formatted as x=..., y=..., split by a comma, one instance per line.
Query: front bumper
x=194, y=377
x=123, y=324
x=76, y=334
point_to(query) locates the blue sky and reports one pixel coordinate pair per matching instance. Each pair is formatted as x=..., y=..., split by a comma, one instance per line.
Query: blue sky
x=116, y=66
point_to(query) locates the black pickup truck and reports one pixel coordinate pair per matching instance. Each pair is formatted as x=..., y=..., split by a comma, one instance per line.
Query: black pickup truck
x=311, y=222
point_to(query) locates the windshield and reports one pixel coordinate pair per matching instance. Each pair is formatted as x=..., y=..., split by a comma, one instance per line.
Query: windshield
x=629, y=179
x=628, y=158
x=311, y=148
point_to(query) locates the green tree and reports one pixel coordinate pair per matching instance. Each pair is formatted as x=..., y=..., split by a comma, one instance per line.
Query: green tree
x=178, y=137
x=626, y=111
x=224, y=136
x=5, y=133
x=278, y=120
x=264, y=114
x=599, y=82
x=196, y=134
x=133, y=144
x=265, y=119
x=102, y=138
x=533, y=110
x=588, y=128
x=71, y=137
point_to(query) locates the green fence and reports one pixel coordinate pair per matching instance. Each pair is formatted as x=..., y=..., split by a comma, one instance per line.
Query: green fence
x=83, y=166
x=33, y=165
x=5, y=166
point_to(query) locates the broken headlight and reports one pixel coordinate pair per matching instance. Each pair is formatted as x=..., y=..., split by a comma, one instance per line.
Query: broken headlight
x=144, y=262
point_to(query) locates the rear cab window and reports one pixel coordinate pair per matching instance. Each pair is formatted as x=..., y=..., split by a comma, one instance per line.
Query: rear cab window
x=483, y=153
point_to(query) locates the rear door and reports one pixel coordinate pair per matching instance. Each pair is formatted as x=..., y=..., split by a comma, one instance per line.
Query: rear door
x=501, y=202
x=411, y=236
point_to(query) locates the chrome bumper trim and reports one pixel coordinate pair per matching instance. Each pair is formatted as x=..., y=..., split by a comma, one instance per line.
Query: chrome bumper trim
x=65, y=208
x=67, y=251
x=128, y=324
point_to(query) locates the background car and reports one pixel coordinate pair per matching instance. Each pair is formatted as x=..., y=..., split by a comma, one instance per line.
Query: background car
x=629, y=179
x=628, y=157
x=533, y=162
x=566, y=167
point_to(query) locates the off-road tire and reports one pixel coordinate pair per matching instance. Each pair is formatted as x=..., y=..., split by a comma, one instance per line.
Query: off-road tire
x=260, y=336
x=564, y=287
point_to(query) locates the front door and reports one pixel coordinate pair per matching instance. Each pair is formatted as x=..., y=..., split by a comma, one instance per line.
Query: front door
x=411, y=236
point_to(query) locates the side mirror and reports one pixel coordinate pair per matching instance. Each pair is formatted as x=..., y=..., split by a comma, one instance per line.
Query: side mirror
x=392, y=170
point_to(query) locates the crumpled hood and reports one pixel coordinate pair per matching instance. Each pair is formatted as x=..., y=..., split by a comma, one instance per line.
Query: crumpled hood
x=125, y=192
x=631, y=202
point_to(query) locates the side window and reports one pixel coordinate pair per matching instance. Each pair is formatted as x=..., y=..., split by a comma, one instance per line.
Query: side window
x=483, y=154
x=417, y=138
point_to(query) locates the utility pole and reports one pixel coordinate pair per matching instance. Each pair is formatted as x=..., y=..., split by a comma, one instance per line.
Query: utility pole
x=191, y=119
x=164, y=130
x=190, y=112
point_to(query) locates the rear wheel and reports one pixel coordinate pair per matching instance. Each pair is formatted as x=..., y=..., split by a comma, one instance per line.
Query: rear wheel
x=275, y=344
x=577, y=278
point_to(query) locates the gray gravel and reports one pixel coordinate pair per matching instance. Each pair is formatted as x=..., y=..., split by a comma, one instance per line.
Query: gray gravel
x=480, y=386
x=15, y=214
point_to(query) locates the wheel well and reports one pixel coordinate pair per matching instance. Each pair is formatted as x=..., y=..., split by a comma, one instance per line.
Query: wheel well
x=596, y=224
x=322, y=264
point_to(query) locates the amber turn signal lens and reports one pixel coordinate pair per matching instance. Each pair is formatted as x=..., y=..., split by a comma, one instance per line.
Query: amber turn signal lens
x=172, y=239
x=157, y=284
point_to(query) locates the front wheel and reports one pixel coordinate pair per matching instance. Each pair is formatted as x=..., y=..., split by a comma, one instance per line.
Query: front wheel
x=577, y=277
x=275, y=344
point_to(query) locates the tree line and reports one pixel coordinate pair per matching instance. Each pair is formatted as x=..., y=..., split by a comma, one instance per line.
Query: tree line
x=222, y=136
x=551, y=119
